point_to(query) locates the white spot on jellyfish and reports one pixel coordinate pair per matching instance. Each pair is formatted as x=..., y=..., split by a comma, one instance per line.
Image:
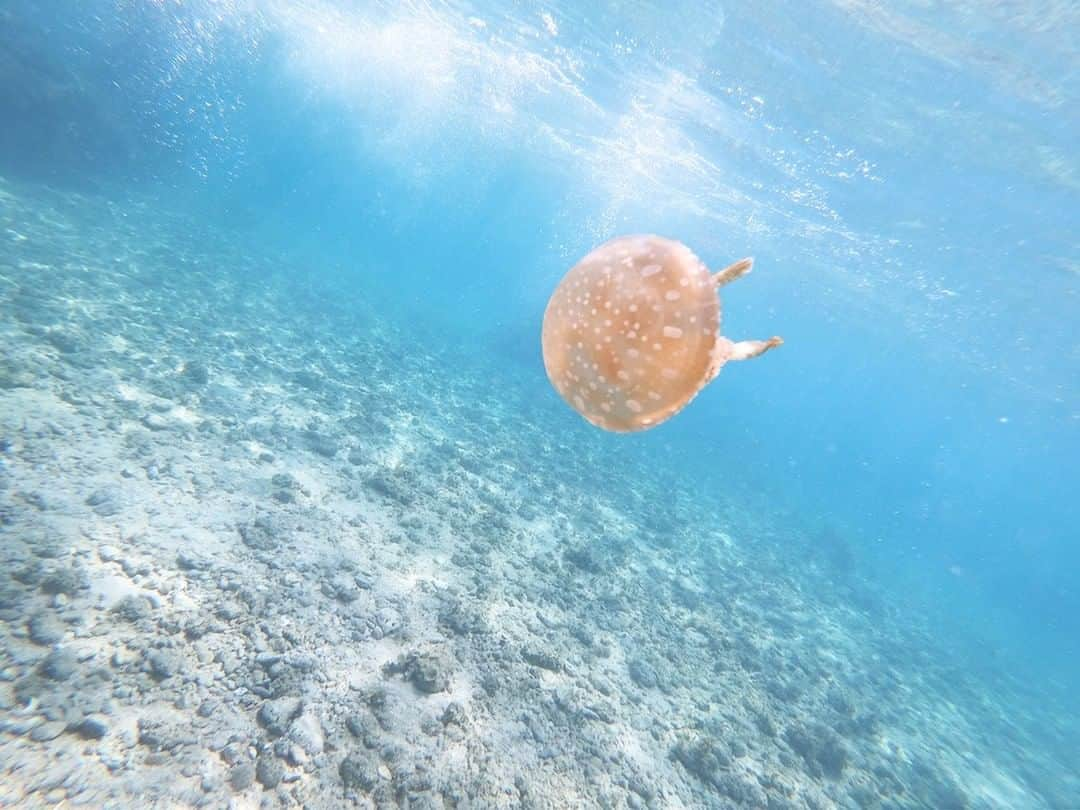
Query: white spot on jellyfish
x=669, y=373
x=622, y=375
x=633, y=405
x=650, y=270
x=633, y=353
x=579, y=401
x=672, y=332
x=672, y=295
x=633, y=307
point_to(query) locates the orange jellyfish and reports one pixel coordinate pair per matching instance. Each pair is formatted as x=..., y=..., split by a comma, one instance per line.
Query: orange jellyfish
x=632, y=333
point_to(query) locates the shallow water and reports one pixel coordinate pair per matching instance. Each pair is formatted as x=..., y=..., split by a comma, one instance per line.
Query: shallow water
x=291, y=516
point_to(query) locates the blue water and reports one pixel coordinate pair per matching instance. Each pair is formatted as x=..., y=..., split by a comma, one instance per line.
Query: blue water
x=905, y=174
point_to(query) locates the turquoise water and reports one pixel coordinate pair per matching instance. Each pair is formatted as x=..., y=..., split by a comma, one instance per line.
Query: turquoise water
x=397, y=188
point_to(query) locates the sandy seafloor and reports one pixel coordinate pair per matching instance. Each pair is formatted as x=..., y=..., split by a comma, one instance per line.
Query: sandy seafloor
x=261, y=547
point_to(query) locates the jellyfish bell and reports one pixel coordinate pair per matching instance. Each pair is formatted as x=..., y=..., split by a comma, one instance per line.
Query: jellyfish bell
x=632, y=332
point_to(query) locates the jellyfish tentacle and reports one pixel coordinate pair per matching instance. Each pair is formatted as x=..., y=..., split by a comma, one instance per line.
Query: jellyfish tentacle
x=749, y=349
x=733, y=271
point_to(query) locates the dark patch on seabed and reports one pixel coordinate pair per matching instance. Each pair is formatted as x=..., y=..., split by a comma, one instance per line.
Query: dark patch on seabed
x=259, y=548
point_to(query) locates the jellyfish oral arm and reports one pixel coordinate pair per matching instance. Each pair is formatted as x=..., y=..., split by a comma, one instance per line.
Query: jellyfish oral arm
x=733, y=271
x=745, y=349
x=749, y=349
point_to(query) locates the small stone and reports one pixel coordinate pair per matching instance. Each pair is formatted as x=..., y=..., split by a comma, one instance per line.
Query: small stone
x=29, y=574
x=45, y=629
x=230, y=663
x=242, y=776
x=163, y=664
x=92, y=727
x=269, y=771
x=429, y=672
x=133, y=608
x=303, y=662
x=48, y=731
x=385, y=623
x=133, y=567
x=542, y=659
x=642, y=673
x=700, y=755
x=104, y=502
x=233, y=752
x=343, y=588
x=207, y=708
x=192, y=562
x=59, y=664
x=11, y=595
x=284, y=480
x=454, y=714
x=67, y=581
x=115, y=761
x=228, y=611
x=122, y=658
x=267, y=659
x=155, y=421
x=276, y=715
x=362, y=727
x=306, y=731
x=360, y=771
x=261, y=534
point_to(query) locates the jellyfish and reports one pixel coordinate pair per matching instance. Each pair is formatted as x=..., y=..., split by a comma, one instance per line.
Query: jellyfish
x=632, y=332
